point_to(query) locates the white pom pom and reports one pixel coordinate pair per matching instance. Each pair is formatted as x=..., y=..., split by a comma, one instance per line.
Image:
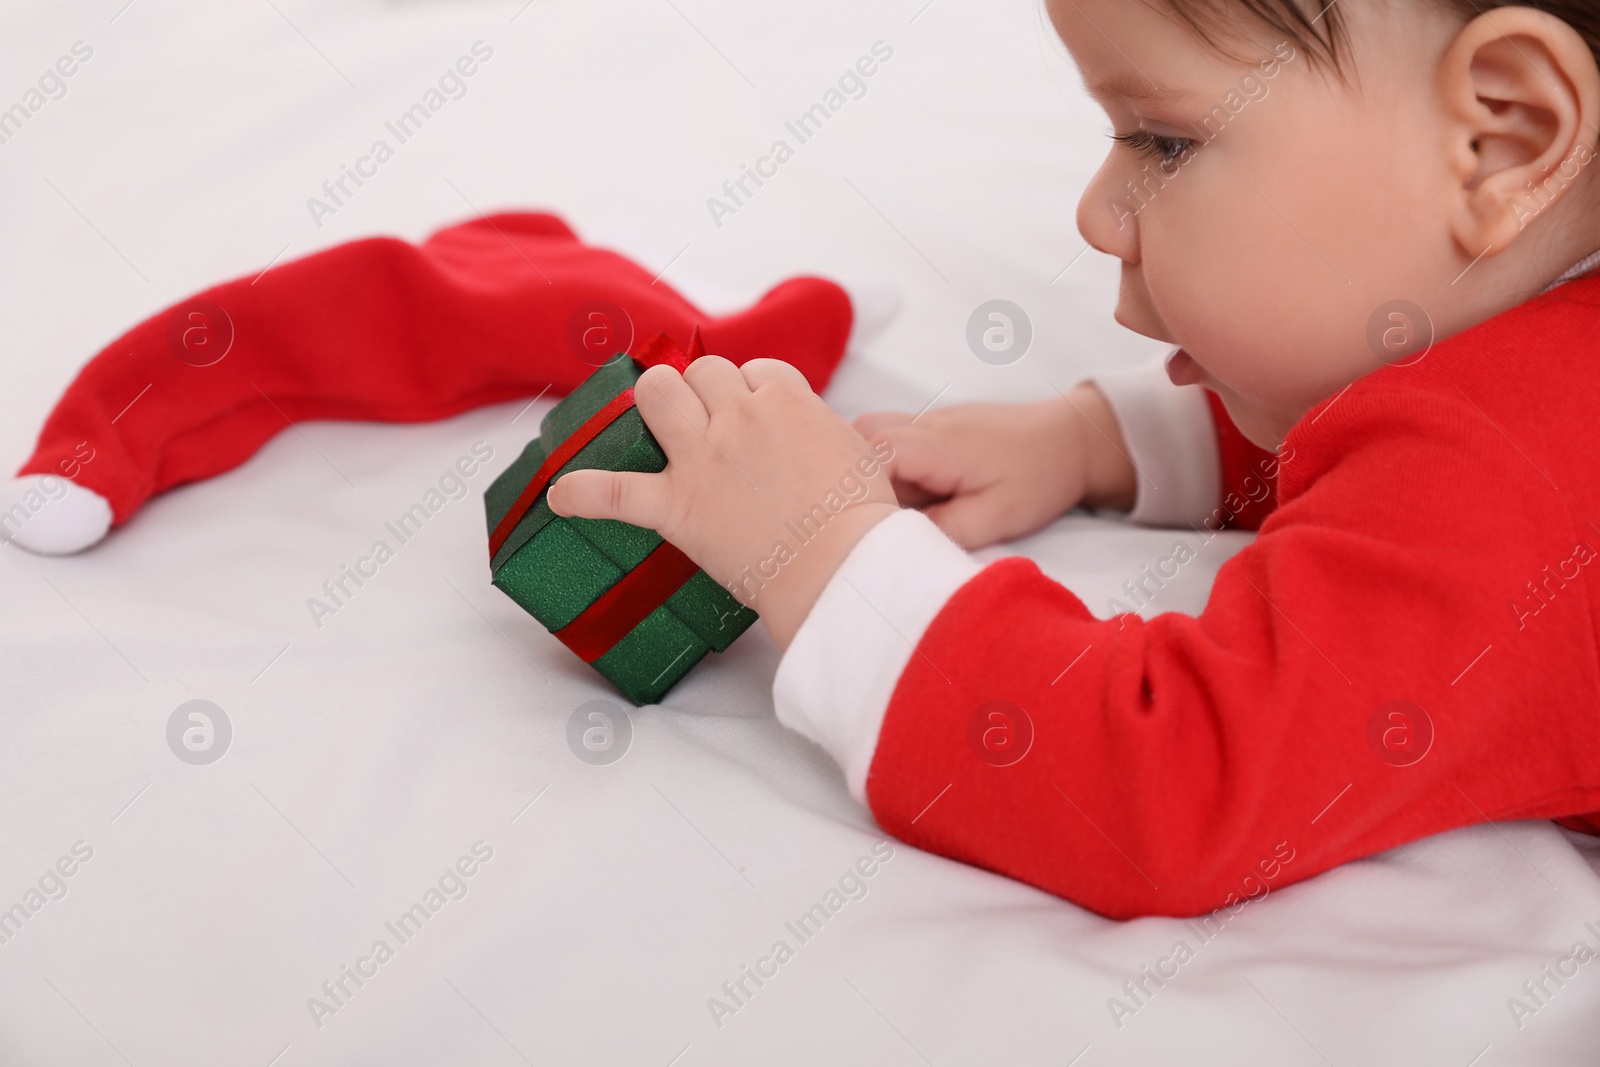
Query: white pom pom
x=873, y=306
x=50, y=515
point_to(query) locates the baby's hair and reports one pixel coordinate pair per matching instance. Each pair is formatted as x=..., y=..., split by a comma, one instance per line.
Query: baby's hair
x=1320, y=31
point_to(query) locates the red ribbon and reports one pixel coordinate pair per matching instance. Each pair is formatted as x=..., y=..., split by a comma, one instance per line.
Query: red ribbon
x=628, y=603
x=662, y=573
x=554, y=462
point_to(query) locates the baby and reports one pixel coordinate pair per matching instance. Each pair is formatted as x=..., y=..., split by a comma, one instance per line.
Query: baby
x=1366, y=227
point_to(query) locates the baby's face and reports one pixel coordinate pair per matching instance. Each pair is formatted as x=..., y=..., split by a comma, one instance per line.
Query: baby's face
x=1277, y=209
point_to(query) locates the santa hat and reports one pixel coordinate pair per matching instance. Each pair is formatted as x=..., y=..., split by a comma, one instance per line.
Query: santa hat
x=495, y=309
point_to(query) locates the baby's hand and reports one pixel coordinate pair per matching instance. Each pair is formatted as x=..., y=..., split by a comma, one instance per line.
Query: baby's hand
x=993, y=472
x=765, y=487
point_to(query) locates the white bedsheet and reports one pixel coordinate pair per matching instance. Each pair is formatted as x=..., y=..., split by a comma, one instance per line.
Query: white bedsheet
x=430, y=714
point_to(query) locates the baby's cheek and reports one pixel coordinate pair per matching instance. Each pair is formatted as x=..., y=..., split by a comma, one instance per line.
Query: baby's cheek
x=1248, y=305
x=1221, y=258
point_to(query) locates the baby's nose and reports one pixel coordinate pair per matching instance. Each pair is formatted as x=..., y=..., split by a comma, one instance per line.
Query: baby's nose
x=1108, y=214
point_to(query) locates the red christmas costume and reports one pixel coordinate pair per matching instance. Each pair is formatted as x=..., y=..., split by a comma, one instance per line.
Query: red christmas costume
x=1407, y=647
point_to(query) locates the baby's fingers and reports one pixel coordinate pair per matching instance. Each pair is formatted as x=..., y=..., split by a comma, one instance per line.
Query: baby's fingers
x=873, y=422
x=671, y=408
x=637, y=499
x=977, y=520
x=922, y=459
x=909, y=495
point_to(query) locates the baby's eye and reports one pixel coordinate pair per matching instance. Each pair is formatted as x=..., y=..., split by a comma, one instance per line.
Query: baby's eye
x=1157, y=146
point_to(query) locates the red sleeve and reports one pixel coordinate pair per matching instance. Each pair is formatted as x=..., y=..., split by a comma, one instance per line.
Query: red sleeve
x=1249, y=474
x=1364, y=674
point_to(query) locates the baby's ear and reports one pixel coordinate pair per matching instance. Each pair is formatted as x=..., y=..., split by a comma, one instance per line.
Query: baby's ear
x=1521, y=93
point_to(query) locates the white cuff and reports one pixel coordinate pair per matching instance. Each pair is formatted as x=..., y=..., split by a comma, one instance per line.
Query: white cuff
x=1172, y=441
x=834, y=683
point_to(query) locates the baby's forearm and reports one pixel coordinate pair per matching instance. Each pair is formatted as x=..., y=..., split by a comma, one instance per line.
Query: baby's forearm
x=1084, y=430
x=787, y=600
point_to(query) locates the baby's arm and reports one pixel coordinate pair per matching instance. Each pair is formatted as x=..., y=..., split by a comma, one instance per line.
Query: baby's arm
x=1128, y=441
x=995, y=472
x=1167, y=761
x=1175, y=765
x=1195, y=468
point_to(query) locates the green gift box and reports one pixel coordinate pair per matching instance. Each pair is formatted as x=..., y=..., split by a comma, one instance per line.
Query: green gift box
x=619, y=596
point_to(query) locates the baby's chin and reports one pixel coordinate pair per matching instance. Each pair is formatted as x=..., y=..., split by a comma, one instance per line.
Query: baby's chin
x=1264, y=429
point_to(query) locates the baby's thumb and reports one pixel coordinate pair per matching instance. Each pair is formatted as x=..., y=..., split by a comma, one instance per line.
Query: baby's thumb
x=637, y=499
